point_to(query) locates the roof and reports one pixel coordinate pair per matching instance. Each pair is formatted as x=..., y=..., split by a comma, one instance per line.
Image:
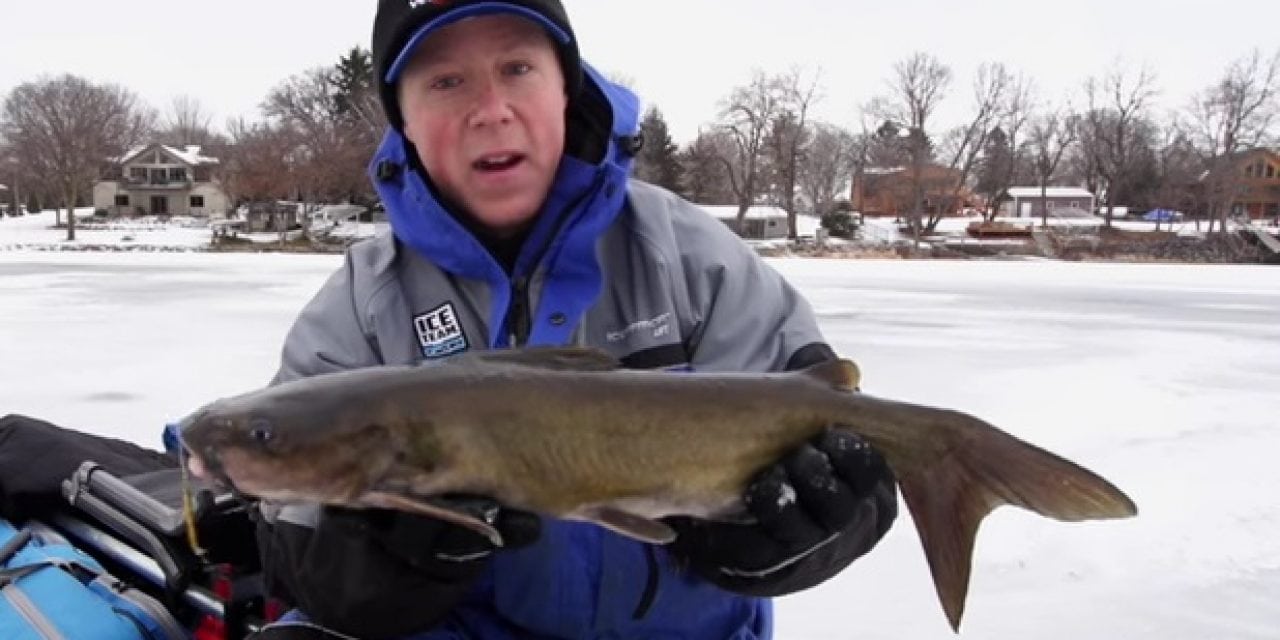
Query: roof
x=1051, y=192
x=189, y=154
x=757, y=212
x=3, y=188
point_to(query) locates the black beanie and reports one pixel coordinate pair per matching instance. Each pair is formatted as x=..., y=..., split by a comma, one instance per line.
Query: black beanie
x=401, y=25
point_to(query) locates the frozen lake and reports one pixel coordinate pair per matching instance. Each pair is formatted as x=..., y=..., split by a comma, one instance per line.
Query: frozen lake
x=1162, y=378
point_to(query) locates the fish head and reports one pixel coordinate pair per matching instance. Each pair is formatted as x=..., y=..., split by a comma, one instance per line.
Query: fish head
x=284, y=446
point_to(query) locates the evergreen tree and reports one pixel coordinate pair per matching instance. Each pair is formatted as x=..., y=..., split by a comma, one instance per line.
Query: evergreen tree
x=996, y=168
x=706, y=172
x=352, y=81
x=658, y=162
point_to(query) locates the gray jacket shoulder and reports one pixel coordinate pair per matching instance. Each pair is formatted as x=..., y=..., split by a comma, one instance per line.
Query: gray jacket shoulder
x=737, y=312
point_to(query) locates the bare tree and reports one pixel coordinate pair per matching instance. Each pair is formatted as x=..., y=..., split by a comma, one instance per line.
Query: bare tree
x=1118, y=105
x=1003, y=156
x=799, y=95
x=995, y=92
x=1179, y=167
x=330, y=155
x=827, y=164
x=1234, y=114
x=746, y=117
x=1052, y=133
x=918, y=85
x=69, y=128
x=187, y=123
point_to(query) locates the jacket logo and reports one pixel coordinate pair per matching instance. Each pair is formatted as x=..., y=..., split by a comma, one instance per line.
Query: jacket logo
x=659, y=327
x=440, y=333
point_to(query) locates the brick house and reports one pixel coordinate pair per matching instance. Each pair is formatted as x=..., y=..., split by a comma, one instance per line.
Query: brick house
x=888, y=191
x=161, y=180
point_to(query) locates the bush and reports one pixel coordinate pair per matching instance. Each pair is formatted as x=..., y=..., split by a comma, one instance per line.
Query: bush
x=839, y=224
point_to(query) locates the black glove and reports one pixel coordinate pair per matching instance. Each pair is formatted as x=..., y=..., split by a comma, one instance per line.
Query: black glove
x=384, y=574
x=820, y=508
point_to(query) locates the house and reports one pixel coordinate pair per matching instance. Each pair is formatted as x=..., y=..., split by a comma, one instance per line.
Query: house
x=1255, y=181
x=760, y=223
x=161, y=180
x=889, y=191
x=1025, y=202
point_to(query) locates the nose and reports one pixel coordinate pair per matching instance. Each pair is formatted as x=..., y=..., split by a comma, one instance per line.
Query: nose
x=492, y=105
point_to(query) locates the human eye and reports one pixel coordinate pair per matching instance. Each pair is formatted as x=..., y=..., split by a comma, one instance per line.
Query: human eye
x=446, y=82
x=517, y=68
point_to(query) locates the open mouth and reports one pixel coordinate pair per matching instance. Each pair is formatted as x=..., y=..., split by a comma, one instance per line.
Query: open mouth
x=498, y=163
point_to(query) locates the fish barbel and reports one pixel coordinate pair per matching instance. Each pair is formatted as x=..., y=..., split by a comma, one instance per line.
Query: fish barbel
x=567, y=432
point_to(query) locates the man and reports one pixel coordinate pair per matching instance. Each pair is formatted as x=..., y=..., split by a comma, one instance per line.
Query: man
x=505, y=176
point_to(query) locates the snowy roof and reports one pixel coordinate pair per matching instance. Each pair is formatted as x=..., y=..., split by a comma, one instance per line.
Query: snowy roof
x=189, y=154
x=757, y=212
x=1051, y=192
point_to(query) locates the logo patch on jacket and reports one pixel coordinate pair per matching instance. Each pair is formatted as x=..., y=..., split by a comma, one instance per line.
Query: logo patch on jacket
x=439, y=332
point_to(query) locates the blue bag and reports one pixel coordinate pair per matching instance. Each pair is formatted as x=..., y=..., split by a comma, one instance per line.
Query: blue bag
x=49, y=590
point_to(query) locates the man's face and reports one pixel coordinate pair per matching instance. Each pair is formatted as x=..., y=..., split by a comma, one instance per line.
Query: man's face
x=483, y=102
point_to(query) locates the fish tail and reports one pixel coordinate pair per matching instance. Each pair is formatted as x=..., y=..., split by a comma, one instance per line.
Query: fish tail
x=980, y=468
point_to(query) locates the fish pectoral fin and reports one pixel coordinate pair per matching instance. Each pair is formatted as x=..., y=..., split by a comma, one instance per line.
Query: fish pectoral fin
x=551, y=358
x=442, y=511
x=626, y=523
x=840, y=374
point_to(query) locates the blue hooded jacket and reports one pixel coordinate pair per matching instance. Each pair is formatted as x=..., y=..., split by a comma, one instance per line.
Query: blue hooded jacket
x=578, y=580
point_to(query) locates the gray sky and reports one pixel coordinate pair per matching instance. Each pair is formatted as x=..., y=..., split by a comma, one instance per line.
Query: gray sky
x=683, y=55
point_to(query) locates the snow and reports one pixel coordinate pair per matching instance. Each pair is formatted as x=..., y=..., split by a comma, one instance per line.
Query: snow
x=189, y=154
x=37, y=232
x=1162, y=378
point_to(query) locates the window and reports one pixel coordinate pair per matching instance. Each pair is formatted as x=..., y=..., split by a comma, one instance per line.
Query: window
x=197, y=202
x=1271, y=171
x=1075, y=204
x=178, y=174
x=159, y=176
x=138, y=173
x=1050, y=204
x=122, y=201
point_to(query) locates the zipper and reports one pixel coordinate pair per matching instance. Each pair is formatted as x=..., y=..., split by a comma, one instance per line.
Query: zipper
x=519, y=315
x=31, y=613
x=519, y=323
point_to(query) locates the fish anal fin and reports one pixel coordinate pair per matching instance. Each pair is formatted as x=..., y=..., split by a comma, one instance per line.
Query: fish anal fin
x=461, y=518
x=626, y=523
x=550, y=358
x=841, y=374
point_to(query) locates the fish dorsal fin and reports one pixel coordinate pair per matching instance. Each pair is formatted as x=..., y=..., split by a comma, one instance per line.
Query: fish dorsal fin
x=626, y=523
x=842, y=374
x=551, y=358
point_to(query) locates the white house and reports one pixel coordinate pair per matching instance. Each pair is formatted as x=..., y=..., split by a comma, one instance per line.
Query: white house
x=161, y=180
x=1024, y=202
x=761, y=222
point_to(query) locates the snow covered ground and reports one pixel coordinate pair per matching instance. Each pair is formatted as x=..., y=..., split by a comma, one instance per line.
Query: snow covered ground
x=1162, y=378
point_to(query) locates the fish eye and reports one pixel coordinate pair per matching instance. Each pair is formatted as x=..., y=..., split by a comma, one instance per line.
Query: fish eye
x=260, y=431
